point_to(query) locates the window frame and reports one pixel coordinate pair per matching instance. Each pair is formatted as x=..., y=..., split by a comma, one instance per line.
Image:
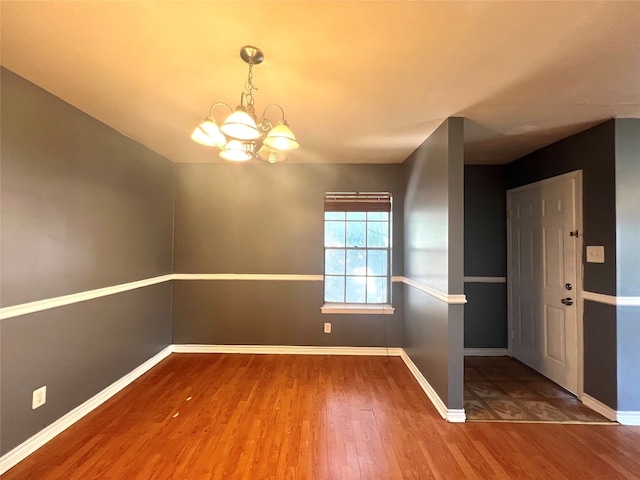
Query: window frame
x=355, y=202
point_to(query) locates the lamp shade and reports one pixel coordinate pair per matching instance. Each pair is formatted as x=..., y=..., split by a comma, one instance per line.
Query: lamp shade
x=235, y=151
x=241, y=126
x=208, y=133
x=281, y=138
x=271, y=155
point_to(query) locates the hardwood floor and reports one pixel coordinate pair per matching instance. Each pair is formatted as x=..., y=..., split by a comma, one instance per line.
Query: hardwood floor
x=222, y=416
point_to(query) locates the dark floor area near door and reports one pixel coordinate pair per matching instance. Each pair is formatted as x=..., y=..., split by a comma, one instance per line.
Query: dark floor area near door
x=504, y=389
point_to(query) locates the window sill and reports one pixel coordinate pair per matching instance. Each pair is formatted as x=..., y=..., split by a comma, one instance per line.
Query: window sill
x=357, y=308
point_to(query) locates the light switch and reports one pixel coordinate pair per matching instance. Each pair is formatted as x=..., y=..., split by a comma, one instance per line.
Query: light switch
x=595, y=254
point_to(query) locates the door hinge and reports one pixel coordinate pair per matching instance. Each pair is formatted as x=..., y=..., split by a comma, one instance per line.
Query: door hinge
x=573, y=233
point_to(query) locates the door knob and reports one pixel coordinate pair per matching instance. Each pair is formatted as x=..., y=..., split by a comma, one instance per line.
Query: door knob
x=567, y=301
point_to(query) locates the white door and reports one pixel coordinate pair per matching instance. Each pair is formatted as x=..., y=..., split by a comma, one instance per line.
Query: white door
x=543, y=265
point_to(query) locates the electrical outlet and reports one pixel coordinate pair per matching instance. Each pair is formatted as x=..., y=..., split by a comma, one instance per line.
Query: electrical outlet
x=39, y=397
x=327, y=328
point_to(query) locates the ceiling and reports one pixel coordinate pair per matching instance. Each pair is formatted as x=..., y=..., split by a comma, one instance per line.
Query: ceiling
x=360, y=82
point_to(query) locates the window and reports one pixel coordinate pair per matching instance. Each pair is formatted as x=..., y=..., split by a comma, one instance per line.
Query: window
x=357, y=253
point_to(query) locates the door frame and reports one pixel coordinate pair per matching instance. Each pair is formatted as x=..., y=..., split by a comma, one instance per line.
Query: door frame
x=577, y=175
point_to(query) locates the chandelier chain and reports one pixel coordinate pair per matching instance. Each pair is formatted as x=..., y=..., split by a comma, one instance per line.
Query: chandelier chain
x=249, y=86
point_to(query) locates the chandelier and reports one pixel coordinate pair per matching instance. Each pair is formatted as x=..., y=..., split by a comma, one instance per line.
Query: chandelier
x=241, y=137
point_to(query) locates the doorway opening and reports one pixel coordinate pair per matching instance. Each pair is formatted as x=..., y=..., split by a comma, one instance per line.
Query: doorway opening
x=544, y=281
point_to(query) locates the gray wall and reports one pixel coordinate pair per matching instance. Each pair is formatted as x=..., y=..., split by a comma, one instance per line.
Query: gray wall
x=485, y=247
x=608, y=156
x=273, y=313
x=593, y=152
x=600, y=352
x=76, y=351
x=258, y=218
x=433, y=254
x=82, y=207
x=627, y=144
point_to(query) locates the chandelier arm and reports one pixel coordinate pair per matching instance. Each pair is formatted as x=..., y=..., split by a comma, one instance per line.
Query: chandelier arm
x=274, y=105
x=217, y=104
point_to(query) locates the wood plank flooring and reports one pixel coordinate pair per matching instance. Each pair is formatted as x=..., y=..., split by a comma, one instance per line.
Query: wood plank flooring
x=222, y=416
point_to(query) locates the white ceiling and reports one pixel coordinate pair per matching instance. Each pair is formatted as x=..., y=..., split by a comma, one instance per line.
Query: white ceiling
x=360, y=82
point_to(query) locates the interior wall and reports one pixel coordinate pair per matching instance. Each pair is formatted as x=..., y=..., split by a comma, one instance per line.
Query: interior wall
x=485, y=266
x=85, y=207
x=627, y=144
x=259, y=218
x=82, y=207
x=593, y=152
x=433, y=257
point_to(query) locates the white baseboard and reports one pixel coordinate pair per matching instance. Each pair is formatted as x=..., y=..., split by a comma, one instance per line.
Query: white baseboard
x=456, y=415
x=622, y=417
x=30, y=445
x=450, y=415
x=287, y=350
x=628, y=418
x=599, y=407
x=486, y=352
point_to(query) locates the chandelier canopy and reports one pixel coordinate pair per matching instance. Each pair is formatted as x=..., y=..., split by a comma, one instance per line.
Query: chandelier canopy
x=241, y=136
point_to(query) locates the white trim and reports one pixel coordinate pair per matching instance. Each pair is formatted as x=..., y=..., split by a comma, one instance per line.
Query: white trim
x=450, y=415
x=287, y=350
x=486, y=352
x=46, y=304
x=247, y=276
x=628, y=418
x=456, y=299
x=485, y=279
x=611, y=299
x=579, y=211
x=622, y=417
x=599, y=407
x=628, y=301
x=599, y=298
x=30, y=445
x=358, y=309
x=456, y=415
